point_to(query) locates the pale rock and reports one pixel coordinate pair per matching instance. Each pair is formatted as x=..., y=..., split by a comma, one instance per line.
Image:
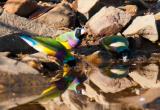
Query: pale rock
x=144, y=26
x=15, y=67
x=92, y=93
x=84, y=6
x=107, y=21
x=147, y=76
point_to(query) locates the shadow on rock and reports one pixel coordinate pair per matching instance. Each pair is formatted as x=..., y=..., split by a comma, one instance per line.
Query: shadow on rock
x=13, y=43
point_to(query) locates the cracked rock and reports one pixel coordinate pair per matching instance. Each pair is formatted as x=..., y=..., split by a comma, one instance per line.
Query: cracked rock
x=107, y=21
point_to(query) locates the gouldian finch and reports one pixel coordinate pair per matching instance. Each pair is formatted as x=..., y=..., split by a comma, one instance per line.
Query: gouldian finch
x=59, y=87
x=59, y=47
x=117, y=45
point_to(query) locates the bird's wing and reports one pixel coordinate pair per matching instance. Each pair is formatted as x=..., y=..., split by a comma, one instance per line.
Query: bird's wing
x=51, y=42
x=39, y=46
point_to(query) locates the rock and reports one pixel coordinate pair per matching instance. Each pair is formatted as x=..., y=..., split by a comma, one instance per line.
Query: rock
x=69, y=100
x=79, y=102
x=84, y=6
x=52, y=105
x=35, y=57
x=35, y=106
x=157, y=16
x=11, y=23
x=60, y=16
x=92, y=93
x=15, y=67
x=107, y=84
x=140, y=27
x=20, y=88
x=107, y=21
x=1, y=10
x=20, y=7
x=131, y=9
x=7, y=44
x=140, y=101
x=39, y=12
x=147, y=77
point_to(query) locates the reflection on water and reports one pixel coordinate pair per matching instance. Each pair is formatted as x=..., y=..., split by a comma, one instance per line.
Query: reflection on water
x=136, y=96
x=116, y=71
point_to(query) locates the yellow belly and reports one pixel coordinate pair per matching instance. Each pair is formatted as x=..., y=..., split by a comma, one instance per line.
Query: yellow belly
x=45, y=50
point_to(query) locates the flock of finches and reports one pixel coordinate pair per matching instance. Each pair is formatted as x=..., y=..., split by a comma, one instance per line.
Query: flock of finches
x=61, y=47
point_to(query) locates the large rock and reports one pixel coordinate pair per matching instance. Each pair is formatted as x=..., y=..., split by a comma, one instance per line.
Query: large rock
x=84, y=6
x=20, y=88
x=60, y=16
x=79, y=102
x=142, y=100
x=12, y=66
x=11, y=23
x=147, y=77
x=144, y=26
x=108, y=84
x=93, y=93
x=20, y=7
x=107, y=21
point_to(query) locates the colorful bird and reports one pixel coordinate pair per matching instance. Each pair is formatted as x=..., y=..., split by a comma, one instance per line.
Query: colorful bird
x=117, y=45
x=58, y=88
x=59, y=47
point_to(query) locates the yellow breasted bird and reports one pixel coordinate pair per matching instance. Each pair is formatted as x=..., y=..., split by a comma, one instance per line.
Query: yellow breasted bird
x=60, y=48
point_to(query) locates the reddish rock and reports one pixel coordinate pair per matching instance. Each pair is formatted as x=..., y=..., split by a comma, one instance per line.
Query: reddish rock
x=20, y=7
x=60, y=16
x=107, y=21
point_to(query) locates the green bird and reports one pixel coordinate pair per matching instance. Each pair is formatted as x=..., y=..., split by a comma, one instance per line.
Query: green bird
x=117, y=45
x=57, y=88
x=59, y=47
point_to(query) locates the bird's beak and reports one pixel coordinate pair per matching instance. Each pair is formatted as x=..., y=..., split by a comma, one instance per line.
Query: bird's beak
x=83, y=31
